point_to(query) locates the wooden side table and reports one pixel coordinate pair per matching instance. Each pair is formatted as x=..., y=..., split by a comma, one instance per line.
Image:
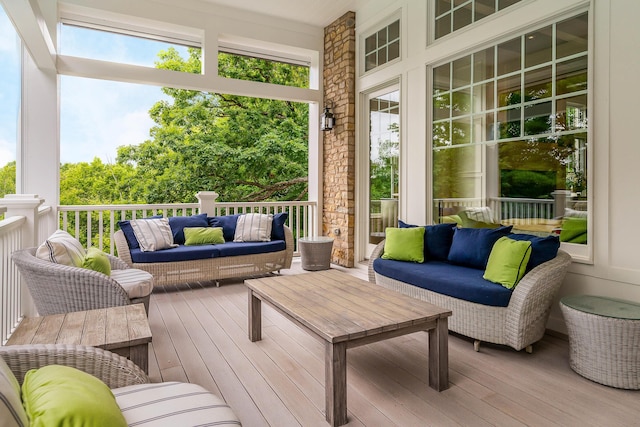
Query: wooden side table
x=315, y=252
x=123, y=330
x=603, y=339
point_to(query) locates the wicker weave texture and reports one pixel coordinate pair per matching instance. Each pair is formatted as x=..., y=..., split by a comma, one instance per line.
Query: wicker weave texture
x=604, y=349
x=518, y=325
x=57, y=288
x=172, y=273
x=114, y=370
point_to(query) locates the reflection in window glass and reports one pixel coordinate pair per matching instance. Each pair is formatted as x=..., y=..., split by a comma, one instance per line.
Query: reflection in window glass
x=516, y=139
x=382, y=46
x=453, y=15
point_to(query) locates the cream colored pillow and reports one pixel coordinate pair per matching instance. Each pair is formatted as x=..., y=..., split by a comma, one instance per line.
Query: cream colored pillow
x=62, y=248
x=253, y=228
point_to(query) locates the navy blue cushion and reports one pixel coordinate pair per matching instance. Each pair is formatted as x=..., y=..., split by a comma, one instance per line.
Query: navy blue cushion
x=543, y=249
x=277, y=225
x=129, y=235
x=181, y=253
x=452, y=280
x=437, y=239
x=178, y=223
x=250, y=248
x=471, y=246
x=228, y=224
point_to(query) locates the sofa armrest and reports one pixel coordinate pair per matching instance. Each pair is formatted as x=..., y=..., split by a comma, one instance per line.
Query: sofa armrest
x=533, y=296
x=377, y=253
x=122, y=247
x=114, y=370
x=288, y=240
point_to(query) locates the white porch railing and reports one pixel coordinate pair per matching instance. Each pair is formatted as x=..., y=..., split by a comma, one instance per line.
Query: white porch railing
x=11, y=293
x=95, y=224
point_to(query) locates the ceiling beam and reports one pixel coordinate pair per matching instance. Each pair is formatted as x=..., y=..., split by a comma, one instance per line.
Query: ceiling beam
x=30, y=24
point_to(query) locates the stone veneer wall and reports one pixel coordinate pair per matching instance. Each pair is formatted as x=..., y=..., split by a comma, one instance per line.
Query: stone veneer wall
x=340, y=144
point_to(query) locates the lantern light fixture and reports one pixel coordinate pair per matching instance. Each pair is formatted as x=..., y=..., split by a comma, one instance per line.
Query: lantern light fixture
x=327, y=121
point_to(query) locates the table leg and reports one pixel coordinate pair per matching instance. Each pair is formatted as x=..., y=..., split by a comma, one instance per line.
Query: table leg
x=439, y=355
x=255, y=317
x=139, y=354
x=335, y=383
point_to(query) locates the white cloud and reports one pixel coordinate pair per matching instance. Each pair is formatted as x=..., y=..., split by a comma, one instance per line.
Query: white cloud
x=99, y=116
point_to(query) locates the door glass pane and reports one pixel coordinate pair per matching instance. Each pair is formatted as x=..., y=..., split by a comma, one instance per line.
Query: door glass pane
x=384, y=139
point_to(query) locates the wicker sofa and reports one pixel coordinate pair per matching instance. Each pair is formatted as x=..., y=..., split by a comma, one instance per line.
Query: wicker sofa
x=141, y=402
x=169, y=272
x=519, y=324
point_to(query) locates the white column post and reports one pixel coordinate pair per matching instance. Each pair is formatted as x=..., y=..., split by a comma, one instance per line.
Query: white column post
x=207, y=201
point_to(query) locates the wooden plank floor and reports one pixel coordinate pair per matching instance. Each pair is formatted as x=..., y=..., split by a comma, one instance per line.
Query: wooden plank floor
x=200, y=335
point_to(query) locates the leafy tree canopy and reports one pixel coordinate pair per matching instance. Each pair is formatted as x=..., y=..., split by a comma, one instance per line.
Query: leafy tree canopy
x=246, y=149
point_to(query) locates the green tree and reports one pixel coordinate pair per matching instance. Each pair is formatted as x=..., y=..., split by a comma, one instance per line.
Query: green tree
x=8, y=179
x=97, y=183
x=246, y=149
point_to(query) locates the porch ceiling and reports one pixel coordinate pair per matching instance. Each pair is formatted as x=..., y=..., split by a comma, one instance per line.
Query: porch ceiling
x=312, y=12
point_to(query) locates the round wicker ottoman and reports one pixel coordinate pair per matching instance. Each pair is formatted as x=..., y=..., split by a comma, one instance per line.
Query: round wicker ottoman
x=604, y=339
x=315, y=252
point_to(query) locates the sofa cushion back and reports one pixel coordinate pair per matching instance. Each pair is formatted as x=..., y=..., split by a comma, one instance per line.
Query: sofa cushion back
x=471, y=246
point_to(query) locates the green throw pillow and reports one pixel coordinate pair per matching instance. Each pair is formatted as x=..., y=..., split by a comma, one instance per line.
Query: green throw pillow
x=97, y=260
x=574, y=230
x=404, y=244
x=56, y=395
x=203, y=236
x=508, y=261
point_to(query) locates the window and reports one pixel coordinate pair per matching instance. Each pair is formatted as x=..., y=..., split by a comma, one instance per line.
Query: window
x=382, y=46
x=121, y=47
x=452, y=15
x=263, y=70
x=510, y=131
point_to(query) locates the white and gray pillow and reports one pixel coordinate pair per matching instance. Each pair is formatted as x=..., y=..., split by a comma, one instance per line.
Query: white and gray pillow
x=153, y=234
x=253, y=228
x=62, y=248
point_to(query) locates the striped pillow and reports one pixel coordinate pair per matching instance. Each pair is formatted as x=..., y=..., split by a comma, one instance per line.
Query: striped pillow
x=153, y=234
x=62, y=248
x=253, y=228
x=480, y=214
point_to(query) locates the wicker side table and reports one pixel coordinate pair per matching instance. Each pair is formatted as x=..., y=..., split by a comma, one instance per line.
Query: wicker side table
x=315, y=252
x=604, y=339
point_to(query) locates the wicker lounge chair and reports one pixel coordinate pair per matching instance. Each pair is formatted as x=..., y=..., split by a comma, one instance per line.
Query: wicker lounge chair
x=57, y=288
x=141, y=402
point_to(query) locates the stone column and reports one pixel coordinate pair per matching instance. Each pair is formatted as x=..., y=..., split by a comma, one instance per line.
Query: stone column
x=338, y=214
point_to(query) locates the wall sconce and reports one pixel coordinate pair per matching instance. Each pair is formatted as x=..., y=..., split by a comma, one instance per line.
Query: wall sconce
x=327, y=121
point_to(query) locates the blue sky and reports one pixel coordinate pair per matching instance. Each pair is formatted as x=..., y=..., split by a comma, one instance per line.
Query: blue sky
x=97, y=116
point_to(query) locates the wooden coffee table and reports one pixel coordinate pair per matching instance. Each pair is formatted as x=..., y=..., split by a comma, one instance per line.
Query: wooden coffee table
x=123, y=330
x=346, y=312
